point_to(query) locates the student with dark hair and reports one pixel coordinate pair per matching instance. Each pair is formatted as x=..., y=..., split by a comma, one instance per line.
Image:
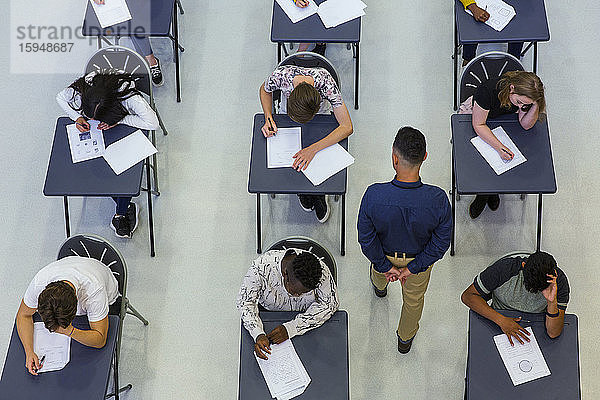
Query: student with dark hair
x=534, y=284
x=110, y=98
x=404, y=227
x=59, y=291
x=306, y=92
x=286, y=280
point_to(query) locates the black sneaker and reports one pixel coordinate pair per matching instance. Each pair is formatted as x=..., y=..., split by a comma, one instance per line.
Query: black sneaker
x=380, y=293
x=132, y=216
x=321, y=208
x=320, y=49
x=306, y=202
x=404, y=347
x=120, y=224
x=493, y=202
x=477, y=206
x=157, y=76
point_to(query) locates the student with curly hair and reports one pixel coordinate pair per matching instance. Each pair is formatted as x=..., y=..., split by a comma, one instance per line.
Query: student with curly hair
x=110, y=98
x=59, y=291
x=286, y=280
x=534, y=285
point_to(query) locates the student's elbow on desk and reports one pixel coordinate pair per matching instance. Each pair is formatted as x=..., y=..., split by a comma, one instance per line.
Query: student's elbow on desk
x=554, y=335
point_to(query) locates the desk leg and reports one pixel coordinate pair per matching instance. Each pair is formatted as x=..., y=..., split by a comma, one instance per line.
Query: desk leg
x=150, y=216
x=66, y=207
x=539, y=223
x=356, y=79
x=278, y=53
x=343, y=244
x=116, y=371
x=535, y=59
x=453, y=208
x=258, y=225
x=455, y=59
x=176, y=50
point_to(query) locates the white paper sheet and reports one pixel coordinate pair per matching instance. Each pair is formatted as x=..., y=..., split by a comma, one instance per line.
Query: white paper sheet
x=296, y=13
x=500, y=13
x=125, y=153
x=327, y=163
x=524, y=362
x=112, y=12
x=56, y=348
x=336, y=12
x=284, y=372
x=282, y=147
x=87, y=145
x=499, y=165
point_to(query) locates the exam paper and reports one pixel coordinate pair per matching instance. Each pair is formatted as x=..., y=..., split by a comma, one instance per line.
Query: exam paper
x=125, y=153
x=327, y=163
x=55, y=347
x=500, y=13
x=112, y=12
x=524, y=362
x=296, y=13
x=284, y=372
x=499, y=165
x=282, y=147
x=336, y=12
x=85, y=145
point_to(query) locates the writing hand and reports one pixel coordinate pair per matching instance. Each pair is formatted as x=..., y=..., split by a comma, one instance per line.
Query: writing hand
x=82, y=125
x=278, y=335
x=104, y=126
x=262, y=345
x=99, y=2
x=511, y=328
x=269, y=128
x=302, y=3
x=32, y=363
x=505, y=153
x=479, y=14
x=303, y=158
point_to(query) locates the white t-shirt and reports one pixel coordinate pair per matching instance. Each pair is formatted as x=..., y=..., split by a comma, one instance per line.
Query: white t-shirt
x=95, y=286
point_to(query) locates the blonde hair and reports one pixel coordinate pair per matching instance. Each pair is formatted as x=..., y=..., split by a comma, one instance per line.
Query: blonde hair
x=525, y=84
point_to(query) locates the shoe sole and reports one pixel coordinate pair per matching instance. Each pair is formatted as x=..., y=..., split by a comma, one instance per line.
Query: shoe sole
x=159, y=84
x=302, y=207
x=327, y=213
x=116, y=234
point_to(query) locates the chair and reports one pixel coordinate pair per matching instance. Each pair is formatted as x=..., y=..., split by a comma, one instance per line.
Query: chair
x=483, y=67
x=93, y=246
x=123, y=59
x=305, y=243
x=306, y=59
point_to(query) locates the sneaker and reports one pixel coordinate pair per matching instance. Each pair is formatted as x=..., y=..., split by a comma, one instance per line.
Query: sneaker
x=493, y=202
x=132, y=216
x=321, y=208
x=157, y=76
x=120, y=224
x=320, y=49
x=380, y=293
x=404, y=347
x=306, y=202
x=477, y=206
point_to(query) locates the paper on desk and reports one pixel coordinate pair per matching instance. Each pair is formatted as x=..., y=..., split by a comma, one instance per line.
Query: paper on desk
x=500, y=13
x=284, y=372
x=282, y=147
x=112, y=12
x=327, y=163
x=524, y=362
x=125, y=153
x=336, y=12
x=296, y=13
x=85, y=145
x=55, y=347
x=499, y=165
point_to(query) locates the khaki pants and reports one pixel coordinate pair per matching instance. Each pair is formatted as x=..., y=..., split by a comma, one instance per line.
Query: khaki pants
x=413, y=295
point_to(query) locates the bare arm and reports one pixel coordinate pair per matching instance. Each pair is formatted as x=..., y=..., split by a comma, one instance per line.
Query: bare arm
x=93, y=337
x=480, y=127
x=554, y=325
x=529, y=118
x=266, y=102
x=25, y=330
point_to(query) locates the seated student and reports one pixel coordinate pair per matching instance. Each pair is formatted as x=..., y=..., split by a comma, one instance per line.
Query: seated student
x=514, y=91
x=59, y=291
x=286, y=280
x=481, y=15
x=534, y=284
x=112, y=99
x=307, y=91
x=319, y=47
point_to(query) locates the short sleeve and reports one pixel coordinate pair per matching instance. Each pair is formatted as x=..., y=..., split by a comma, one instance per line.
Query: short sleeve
x=97, y=306
x=563, y=290
x=483, y=96
x=275, y=80
x=30, y=298
x=494, y=276
x=329, y=89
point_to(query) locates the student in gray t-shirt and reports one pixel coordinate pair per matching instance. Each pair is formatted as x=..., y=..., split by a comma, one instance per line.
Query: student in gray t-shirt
x=534, y=284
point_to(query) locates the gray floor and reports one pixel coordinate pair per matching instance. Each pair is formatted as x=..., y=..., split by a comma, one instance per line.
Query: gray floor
x=205, y=219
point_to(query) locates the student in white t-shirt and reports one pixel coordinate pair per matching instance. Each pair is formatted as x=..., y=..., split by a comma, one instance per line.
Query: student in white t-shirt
x=59, y=291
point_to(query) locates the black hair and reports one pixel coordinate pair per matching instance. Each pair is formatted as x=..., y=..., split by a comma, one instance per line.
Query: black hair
x=57, y=305
x=536, y=267
x=102, y=95
x=410, y=145
x=307, y=269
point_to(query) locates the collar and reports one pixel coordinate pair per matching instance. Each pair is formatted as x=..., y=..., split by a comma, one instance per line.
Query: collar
x=407, y=185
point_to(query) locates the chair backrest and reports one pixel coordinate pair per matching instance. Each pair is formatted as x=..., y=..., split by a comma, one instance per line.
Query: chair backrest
x=122, y=59
x=483, y=67
x=93, y=246
x=305, y=243
x=521, y=253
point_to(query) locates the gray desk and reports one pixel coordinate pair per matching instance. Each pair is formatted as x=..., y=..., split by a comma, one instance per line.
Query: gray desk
x=312, y=30
x=287, y=180
x=323, y=351
x=93, y=177
x=488, y=379
x=151, y=18
x=86, y=375
x=471, y=174
x=529, y=25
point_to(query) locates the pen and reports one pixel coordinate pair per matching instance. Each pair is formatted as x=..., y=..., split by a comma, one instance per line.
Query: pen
x=42, y=359
x=506, y=151
x=270, y=126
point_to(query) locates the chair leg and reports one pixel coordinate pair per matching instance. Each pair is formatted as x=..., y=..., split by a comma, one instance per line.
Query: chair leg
x=135, y=313
x=155, y=166
x=181, y=11
x=160, y=122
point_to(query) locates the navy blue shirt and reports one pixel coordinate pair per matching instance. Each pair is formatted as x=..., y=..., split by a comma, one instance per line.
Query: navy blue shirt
x=409, y=217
